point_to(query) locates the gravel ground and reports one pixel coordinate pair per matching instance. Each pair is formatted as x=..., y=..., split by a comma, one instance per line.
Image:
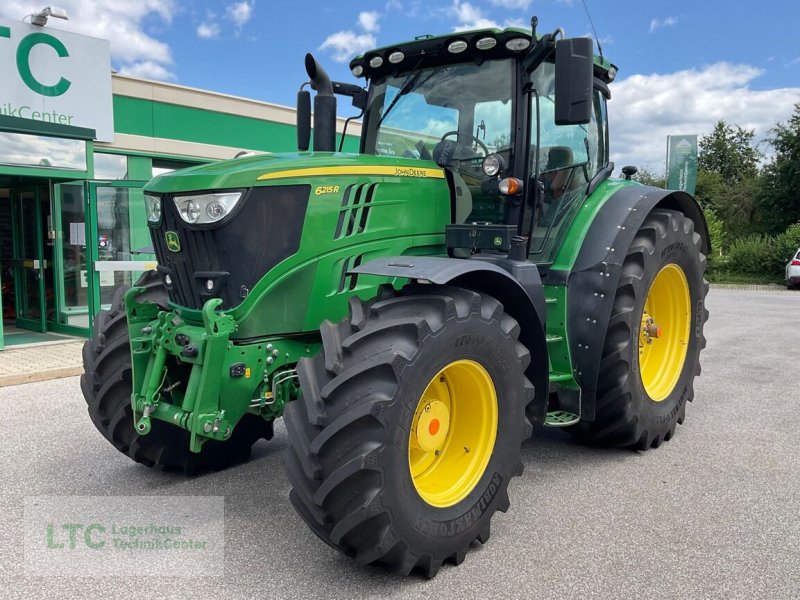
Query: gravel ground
x=711, y=514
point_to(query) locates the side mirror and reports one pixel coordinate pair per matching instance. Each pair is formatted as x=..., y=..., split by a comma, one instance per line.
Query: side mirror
x=303, y=120
x=574, y=76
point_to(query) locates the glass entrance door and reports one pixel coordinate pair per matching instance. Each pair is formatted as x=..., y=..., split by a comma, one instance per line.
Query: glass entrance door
x=74, y=282
x=101, y=242
x=29, y=224
x=122, y=246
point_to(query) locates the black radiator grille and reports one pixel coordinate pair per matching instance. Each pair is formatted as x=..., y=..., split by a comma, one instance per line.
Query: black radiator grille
x=264, y=229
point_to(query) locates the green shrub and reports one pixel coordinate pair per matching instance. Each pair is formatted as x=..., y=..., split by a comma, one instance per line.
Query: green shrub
x=754, y=254
x=788, y=242
x=762, y=254
x=718, y=237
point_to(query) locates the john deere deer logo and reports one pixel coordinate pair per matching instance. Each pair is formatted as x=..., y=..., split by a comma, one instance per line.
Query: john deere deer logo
x=173, y=241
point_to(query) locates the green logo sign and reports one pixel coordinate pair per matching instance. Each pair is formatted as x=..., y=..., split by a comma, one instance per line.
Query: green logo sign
x=682, y=162
x=28, y=43
x=173, y=241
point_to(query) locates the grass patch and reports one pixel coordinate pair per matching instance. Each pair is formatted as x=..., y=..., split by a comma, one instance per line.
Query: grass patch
x=741, y=278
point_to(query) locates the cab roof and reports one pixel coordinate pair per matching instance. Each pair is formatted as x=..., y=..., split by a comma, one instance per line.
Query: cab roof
x=463, y=46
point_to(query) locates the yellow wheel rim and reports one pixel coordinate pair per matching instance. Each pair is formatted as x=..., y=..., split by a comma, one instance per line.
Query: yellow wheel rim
x=453, y=433
x=664, y=332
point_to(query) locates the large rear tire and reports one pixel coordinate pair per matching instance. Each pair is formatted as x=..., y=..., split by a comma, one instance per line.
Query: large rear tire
x=655, y=334
x=106, y=386
x=410, y=426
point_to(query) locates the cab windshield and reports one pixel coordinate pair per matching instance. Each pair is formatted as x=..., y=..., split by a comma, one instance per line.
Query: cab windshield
x=453, y=115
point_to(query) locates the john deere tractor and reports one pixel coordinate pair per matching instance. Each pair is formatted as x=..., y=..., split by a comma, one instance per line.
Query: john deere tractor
x=414, y=310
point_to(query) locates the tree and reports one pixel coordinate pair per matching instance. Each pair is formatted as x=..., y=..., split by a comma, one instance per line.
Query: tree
x=709, y=189
x=737, y=205
x=648, y=177
x=728, y=178
x=729, y=152
x=780, y=190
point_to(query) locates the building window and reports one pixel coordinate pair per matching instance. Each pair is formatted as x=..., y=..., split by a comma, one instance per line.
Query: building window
x=110, y=166
x=167, y=166
x=40, y=151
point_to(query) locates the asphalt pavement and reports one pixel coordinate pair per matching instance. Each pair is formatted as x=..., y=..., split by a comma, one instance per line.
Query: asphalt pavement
x=714, y=513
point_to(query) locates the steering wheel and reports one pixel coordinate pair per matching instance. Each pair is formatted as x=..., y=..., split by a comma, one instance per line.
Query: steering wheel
x=446, y=150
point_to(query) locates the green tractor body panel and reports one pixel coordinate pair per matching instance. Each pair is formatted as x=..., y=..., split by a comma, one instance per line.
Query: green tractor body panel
x=351, y=216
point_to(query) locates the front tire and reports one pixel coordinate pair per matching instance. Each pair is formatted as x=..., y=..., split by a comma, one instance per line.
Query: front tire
x=409, y=427
x=106, y=386
x=652, y=346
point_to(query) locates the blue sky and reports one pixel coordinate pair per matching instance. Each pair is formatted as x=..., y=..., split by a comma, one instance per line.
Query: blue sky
x=683, y=64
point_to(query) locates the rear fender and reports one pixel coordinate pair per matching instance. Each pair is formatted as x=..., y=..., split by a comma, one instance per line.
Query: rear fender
x=593, y=280
x=523, y=301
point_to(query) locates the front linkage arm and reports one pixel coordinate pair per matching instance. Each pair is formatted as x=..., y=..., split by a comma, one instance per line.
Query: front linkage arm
x=155, y=336
x=180, y=370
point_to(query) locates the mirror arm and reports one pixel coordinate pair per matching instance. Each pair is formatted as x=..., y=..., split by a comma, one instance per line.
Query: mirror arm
x=544, y=47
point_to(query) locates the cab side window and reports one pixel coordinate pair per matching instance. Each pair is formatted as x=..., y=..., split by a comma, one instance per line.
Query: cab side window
x=569, y=157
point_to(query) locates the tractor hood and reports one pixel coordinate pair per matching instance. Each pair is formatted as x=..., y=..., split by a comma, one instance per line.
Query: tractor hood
x=268, y=168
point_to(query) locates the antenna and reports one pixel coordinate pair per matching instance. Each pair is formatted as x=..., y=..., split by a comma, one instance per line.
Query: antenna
x=594, y=31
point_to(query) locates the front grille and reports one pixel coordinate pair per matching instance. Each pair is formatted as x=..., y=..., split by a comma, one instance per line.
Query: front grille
x=264, y=230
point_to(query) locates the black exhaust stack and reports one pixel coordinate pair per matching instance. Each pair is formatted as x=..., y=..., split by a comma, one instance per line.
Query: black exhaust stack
x=324, y=108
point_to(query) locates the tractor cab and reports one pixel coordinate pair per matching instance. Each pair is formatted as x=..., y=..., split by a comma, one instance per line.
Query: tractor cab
x=489, y=108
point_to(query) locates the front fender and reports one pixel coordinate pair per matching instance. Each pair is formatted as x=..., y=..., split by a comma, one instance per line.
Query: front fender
x=515, y=284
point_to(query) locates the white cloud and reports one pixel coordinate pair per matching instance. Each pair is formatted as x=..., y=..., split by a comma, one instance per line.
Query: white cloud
x=645, y=109
x=121, y=23
x=240, y=12
x=521, y=23
x=470, y=17
x=409, y=8
x=512, y=4
x=346, y=44
x=666, y=22
x=147, y=69
x=438, y=127
x=368, y=21
x=208, y=30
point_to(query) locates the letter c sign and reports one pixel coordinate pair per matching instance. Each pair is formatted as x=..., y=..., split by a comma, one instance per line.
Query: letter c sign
x=23, y=61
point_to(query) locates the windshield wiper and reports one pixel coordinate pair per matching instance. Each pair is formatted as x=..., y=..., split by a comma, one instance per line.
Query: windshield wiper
x=406, y=86
x=410, y=80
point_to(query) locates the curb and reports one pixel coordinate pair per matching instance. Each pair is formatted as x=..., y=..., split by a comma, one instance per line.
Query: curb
x=44, y=375
x=751, y=287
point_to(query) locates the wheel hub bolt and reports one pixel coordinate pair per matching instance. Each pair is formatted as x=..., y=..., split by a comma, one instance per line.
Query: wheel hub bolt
x=653, y=330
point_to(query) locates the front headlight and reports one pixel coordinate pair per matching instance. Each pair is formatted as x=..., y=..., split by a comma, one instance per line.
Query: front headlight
x=206, y=208
x=153, y=208
x=492, y=165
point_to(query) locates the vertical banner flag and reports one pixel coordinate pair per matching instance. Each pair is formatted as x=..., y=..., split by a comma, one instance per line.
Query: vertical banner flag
x=682, y=162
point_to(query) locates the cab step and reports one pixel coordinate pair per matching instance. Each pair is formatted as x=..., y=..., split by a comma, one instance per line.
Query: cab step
x=561, y=418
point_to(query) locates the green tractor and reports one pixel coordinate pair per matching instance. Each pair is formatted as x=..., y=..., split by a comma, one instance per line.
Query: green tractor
x=413, y=310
